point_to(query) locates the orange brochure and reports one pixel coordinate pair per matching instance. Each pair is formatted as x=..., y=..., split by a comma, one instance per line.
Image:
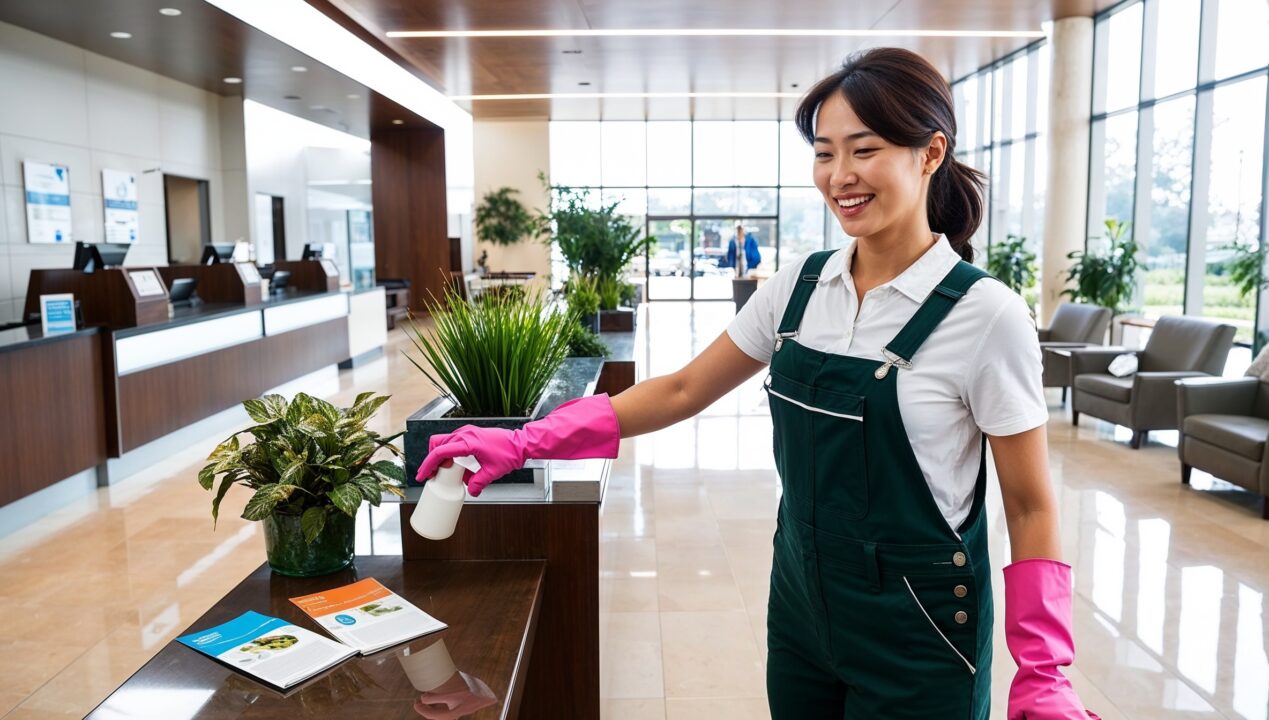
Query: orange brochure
x=367, y=616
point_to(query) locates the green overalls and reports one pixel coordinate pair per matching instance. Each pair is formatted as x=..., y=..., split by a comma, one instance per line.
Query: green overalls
x=878, y=609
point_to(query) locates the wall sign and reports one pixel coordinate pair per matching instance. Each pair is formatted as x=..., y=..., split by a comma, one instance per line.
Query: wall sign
x=57, y=313
x=119, y=196
x=48, y=208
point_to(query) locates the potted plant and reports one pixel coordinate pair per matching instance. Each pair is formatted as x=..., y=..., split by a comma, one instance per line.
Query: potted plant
x=311, y=465
x=1013, y=264
x=598, y=243
x=491, y=361
x=582, y=295
x=1108, y=279
x=502, y=220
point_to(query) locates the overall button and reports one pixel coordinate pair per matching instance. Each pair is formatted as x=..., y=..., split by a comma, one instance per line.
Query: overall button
x=961, y=617
x=960, y=591
x=959, y=559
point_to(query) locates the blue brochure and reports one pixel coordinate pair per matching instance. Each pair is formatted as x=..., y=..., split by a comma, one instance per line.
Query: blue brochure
x=269, y=648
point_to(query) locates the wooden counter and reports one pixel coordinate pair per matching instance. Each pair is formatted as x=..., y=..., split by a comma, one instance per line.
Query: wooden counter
x=491, y=609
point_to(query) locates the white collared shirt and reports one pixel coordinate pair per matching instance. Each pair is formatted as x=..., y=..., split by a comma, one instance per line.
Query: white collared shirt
x=978, y=372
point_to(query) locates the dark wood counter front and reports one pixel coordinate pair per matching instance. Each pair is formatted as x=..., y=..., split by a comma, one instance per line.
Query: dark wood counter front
x=53, y=414
x=491, y=609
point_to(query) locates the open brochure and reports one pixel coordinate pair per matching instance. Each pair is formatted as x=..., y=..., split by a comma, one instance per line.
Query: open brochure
x=367, y=615
x=268, y=648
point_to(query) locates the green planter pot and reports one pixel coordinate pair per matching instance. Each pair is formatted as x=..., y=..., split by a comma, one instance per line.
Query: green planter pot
x=290, y=555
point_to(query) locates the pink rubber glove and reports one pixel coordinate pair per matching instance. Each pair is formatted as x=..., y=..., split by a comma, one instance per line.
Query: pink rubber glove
x=583, y=428
x=1038, y=633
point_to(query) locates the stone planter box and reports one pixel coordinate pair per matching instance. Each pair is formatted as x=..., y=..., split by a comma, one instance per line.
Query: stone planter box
x=573, y=380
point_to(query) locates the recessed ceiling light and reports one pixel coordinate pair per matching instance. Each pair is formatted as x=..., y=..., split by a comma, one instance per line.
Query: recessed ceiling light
x=298, y=68
x=234, y=80
x=398, y=122
x=353, y=96
x=170, y=12
x=584, y=84
x=290, y=97
x=605, y=95
x=714, y=32
x=121, y=35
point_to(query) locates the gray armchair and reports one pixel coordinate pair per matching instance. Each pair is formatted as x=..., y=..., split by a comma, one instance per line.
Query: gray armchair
x=1074, y=325
x=1224, y=428
x=1179, y=347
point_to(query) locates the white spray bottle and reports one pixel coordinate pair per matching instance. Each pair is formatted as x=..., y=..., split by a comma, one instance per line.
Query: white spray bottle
x=436, y=513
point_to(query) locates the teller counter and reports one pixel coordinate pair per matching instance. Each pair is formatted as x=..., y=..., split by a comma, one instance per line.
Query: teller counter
x=163, y=376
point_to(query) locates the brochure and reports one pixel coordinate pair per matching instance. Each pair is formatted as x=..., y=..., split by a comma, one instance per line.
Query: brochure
x=268, y=648
x=368, y=616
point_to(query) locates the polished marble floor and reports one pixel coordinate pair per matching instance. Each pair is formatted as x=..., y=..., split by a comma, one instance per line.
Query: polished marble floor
x=1170, y=581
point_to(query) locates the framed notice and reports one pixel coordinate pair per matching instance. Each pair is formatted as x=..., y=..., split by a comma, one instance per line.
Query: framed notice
x=147, y=283
x=328, y=267
x=119, y=196
x=57, y=313
x=48, y=208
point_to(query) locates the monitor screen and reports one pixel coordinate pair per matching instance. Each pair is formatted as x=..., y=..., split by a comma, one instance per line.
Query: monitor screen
x=213, y=254
x=311, y=252
x=279, y=280
x=182, y=289
x=90, y=257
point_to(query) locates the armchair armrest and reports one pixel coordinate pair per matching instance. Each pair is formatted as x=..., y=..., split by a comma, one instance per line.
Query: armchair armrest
x=1215, y=396
x=1043, y=333
x=1094, y=360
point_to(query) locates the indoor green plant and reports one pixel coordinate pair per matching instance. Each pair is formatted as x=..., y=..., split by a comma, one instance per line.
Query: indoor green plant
x=1107, y=279
x=1012, y=263
x=502, y=220
x=311, y=465
x=490, y=361
x=596, y=242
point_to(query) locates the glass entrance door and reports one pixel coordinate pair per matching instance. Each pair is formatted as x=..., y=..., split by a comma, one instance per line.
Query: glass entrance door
x=669, y=264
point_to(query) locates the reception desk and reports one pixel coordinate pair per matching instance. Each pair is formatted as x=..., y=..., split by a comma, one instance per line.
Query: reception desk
x=53, y=414
x=164, y=376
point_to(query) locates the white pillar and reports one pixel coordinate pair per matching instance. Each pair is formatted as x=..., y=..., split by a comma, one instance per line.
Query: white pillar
x=1070, y=93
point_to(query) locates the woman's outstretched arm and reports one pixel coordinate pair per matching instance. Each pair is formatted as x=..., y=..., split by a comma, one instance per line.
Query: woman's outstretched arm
x=662, y=401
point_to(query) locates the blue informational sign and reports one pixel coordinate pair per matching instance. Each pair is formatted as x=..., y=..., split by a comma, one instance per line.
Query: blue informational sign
x=57, y=313
x=48, y=203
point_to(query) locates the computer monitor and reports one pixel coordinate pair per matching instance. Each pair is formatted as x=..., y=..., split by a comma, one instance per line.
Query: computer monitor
x=311, y=252
x=213, y=254
x=279, y=281
x=182, y=290
x=90, y=257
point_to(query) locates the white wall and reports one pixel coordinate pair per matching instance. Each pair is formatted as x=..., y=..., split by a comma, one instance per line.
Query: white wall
x=511, y=153
x=64, y=105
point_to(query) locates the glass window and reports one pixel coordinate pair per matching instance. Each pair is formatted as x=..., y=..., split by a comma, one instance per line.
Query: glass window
x=1233, y=198
x=1123, y=66
x=574, y=161
x=801, y=224
x=1173, y=146
x=735, y=201
x=713, y=162
x=1017, y=186
x=970, y=119
x=630, y=201
x=1018, y=97
x=623, y=150
x=796, y=157
x=1120, y=169
x=1042, y=89
x=669, y=201
x=998, y=104
x=1242, y=27
x=669, y=153
x=1176, y=53
x=757, y=152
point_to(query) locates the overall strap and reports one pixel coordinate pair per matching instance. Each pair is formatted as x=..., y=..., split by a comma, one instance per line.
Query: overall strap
x=793, y=312
x=936, y=307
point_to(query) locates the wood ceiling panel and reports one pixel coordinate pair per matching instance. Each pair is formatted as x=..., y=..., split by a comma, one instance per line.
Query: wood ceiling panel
x=497, y=66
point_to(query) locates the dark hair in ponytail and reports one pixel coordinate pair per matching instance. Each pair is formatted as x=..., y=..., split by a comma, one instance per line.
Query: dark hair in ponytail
x=903, y=98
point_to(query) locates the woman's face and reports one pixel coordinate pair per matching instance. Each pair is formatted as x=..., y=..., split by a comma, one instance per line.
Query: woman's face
x=868, y=183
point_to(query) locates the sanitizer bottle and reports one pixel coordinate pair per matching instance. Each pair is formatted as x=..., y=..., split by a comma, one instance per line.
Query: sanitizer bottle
x=436, y=513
